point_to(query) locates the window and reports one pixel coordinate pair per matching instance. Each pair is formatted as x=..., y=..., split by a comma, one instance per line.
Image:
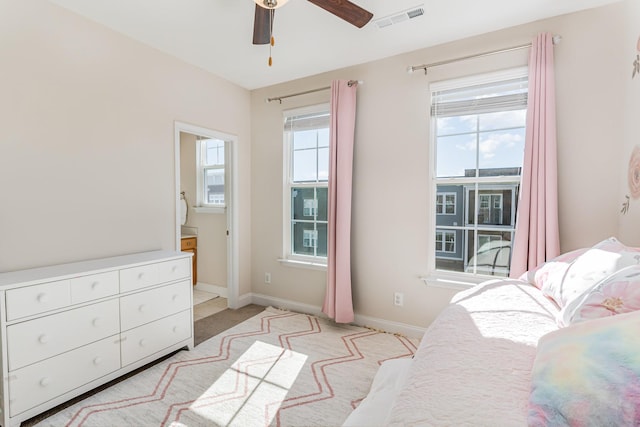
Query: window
x=211, y=172
x=446, y=203
x=446, y=241
x=478, y=144
x=306, y=137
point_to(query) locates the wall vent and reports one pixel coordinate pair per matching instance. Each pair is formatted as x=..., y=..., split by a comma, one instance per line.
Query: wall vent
x=399, y=17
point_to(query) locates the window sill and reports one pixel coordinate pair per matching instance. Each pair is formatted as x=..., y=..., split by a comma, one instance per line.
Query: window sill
x=459, y=282
x=210, y=210
x=303, y=264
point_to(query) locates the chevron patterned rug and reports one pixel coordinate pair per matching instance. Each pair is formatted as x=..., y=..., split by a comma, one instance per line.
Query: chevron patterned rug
x=278, y=368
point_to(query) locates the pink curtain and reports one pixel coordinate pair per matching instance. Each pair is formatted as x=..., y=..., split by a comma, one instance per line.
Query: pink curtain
x=537, y=237
x=338, y=303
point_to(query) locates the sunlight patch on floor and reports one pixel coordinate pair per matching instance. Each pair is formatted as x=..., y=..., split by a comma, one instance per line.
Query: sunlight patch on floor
x=251, y=391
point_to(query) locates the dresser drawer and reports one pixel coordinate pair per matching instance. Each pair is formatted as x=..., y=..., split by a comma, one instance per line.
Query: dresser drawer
x=188, y=243
x=146, y=340
x=36, y=299
x=138, y=277
x=147, y=306
x=47, y=336
x=38, y=383
x=174, y=270
x=88, y=288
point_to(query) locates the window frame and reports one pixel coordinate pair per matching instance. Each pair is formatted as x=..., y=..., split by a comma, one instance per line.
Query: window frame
x=289, y=257
x=202, y=205
x=443, y=242
x=444, y=278
x=444, y=203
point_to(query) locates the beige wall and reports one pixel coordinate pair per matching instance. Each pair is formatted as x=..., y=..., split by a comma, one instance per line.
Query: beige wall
x=390, y=195
x=87, y=139
x=211, y=228
x=630, y=46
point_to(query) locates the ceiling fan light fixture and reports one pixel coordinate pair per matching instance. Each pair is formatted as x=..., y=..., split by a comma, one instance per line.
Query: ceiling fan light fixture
x=270, y=4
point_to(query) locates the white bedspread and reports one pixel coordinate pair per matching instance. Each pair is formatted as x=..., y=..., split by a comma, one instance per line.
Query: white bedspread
x=473, y=367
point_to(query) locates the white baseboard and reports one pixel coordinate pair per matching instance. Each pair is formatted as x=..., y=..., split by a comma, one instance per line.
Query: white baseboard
x=214, y=289
x=371, y=322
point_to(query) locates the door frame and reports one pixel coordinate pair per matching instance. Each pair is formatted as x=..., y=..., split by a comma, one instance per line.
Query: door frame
x=231, y=211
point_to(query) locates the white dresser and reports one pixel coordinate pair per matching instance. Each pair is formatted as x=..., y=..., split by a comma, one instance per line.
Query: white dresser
x=66, y=329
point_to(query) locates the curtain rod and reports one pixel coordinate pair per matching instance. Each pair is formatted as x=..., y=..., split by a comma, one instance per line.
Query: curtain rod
x=280, y=98
x=425, y=67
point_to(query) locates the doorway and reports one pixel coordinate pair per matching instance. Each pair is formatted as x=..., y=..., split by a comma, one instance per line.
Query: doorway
x=214, y=224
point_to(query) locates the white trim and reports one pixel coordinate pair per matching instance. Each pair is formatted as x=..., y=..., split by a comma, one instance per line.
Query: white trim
x=233, y=250
x=360, y=320
x=478, y=79
x=289, y=262
x=449, y=280
x=210, y=210
x=214, y=289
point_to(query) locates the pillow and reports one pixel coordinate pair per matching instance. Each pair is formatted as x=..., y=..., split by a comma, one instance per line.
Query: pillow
x=588, y=374
x=541, y=274
x=565, y=284
x=616, y=294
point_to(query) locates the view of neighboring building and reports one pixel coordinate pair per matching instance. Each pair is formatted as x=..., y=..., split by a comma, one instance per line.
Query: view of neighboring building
x=457, y=233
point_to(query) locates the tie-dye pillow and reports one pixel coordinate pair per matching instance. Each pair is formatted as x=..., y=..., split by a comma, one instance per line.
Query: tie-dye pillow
x=619, y=293
x=588, y=374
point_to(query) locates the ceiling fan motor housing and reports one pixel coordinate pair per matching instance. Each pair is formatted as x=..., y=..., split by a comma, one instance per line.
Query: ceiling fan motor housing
x=271, y=4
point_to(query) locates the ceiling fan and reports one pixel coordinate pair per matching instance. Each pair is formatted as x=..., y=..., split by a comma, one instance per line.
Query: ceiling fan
x=265, y=11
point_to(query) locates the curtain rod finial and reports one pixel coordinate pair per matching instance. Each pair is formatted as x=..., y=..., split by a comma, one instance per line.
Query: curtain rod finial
x=410, y=69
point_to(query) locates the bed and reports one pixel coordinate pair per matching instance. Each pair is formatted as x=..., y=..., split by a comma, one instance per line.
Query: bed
x=556, y=347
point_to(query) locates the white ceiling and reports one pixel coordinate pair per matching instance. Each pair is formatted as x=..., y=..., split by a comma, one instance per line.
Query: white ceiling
x=216, y=34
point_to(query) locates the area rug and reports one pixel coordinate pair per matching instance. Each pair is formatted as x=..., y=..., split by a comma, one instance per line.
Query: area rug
x=278, y=368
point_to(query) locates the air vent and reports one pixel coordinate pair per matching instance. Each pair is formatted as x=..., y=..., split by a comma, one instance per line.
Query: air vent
x=399, y=17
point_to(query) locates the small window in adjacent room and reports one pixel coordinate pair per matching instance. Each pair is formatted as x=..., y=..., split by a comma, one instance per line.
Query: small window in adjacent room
x=210, y=159
x=478, y=126
x=306, y=141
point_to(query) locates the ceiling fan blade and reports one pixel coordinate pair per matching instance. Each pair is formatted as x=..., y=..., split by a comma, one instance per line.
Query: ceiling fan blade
x=262, y=25
x=350, y=12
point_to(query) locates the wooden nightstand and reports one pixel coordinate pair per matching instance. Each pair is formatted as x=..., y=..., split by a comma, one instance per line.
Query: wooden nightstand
x=190, y=244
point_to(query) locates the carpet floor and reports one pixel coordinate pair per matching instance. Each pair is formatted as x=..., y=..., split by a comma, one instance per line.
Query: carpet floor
x=277, y=368
x=203, y=330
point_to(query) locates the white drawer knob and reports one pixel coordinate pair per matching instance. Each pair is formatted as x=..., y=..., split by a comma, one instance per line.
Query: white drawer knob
x=97, y=322
x=97, y=360
x=174, y=268
x=175, y=329
x=42, y=298
x=143, y=342
x=142, y=308
x=45, y=381
x=43, y=339
x=175, y=297
x=95, y=285
x=140, y=275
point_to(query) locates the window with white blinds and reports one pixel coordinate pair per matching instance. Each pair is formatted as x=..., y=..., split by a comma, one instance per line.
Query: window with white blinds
x=478, y=147
x=306, y=138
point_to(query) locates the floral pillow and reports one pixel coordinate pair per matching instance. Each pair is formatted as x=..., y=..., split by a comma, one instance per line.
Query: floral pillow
x=619, y=293
x=556, y=267
x=589, y=268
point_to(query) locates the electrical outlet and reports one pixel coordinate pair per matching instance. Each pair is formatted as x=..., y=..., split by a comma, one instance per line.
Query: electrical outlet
x=398, y=299
x=267, y=277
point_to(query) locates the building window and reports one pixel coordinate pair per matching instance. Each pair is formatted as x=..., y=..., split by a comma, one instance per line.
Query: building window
x=211, y=172
x=306, y=137
x=446, y=241
x=478, y=139
x=446, y=203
